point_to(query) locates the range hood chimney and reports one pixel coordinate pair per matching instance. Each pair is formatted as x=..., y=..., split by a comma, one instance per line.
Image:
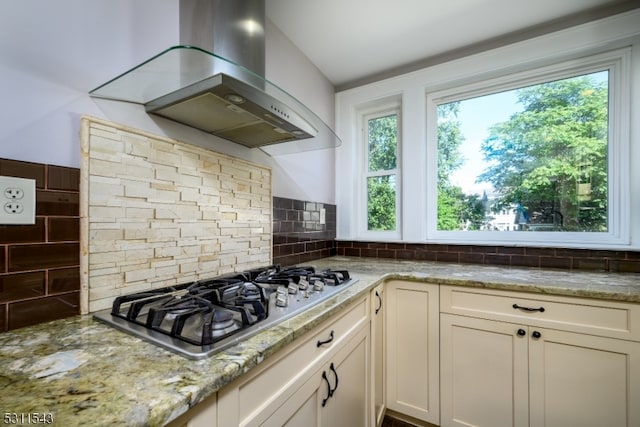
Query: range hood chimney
x=213, y=81
x=234, y=30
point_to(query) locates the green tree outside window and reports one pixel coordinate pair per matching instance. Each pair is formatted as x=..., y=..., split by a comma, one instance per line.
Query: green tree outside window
x=382, y=137
x=549, y=159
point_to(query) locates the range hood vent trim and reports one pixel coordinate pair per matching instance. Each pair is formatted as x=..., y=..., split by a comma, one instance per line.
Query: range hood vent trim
x=179, y=67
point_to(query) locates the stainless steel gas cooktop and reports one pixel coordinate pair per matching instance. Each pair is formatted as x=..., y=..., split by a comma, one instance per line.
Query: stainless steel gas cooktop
x=201, y=318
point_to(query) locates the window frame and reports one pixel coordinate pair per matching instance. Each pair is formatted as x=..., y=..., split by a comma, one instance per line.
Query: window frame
x=378, y=111
x=617, y=62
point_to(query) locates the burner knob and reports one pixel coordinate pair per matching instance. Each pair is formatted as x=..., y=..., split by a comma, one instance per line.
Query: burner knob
x=318, y=285
x=303, y=285
x=282, y=298
x=292, y=288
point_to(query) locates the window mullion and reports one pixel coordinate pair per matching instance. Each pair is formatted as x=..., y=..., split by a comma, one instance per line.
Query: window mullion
x=382, y=172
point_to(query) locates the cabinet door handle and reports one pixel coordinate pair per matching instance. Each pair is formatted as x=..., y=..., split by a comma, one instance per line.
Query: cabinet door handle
x=333, y=369
x=327, y=341
x=379, y=301
x=329, y=393
x=536, y=334
x=522, y=332
x=519, y=307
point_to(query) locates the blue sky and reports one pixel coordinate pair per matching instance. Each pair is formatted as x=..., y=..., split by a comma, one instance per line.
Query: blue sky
x=476, y=116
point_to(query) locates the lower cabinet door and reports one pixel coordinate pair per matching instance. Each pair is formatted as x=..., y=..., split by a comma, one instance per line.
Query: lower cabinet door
x=583, y=380
x=304, y=407
x=336, y=396
x=484, y=373
x=349, y=405
x=412, y=354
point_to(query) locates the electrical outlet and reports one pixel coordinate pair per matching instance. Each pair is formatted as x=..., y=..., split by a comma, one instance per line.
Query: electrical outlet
x=18, y=200
x=13, y=193
x=14, y=208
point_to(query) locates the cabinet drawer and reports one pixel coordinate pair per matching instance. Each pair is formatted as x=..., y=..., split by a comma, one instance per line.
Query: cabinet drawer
x=270, y=383
x=591, y=316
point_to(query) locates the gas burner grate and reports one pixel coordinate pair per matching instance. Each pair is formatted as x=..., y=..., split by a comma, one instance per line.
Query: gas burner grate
x=332, y=277
x=199, y=318
x=177, y=310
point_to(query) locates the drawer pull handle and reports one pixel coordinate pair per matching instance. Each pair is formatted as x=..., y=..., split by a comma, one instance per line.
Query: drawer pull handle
x=327, y=341
x=519, y=307
x=522, y=332
x=536, y=334
x=379, y=301
x=329, y=393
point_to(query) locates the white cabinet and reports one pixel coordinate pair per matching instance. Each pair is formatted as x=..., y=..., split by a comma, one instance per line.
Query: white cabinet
x=335, y=396
x=288, y=389
x=378, y=345
x=412, y=356
x=448, y=356
x=515, y=359
x=484, y=373
x=583, y=380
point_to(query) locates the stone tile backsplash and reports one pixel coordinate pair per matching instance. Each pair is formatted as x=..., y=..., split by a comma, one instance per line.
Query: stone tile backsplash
x=157, y=212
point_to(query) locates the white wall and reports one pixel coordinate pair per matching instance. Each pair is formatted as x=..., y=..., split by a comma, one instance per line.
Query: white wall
x=310, y=175
x=52, y=53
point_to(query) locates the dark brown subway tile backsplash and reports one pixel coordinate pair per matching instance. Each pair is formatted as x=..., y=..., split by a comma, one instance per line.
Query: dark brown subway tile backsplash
x=61, y=178
x=63, y=229
x=40, y=263
x=302, y=231
x=28, y=312
x=16, y=287
x=505, y=256
x=63, y=280
x=23, y=233
x=25, y=170
x=36, y=256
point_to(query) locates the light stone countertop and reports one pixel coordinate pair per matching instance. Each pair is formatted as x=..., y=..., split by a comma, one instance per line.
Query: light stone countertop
x=83, y=372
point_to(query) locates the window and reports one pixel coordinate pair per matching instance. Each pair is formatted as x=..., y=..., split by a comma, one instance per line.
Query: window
x=532, y=154
x=535, y=157
x=381, y=175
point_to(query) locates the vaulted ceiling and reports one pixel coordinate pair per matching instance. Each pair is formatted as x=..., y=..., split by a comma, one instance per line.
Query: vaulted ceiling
x=356, y=41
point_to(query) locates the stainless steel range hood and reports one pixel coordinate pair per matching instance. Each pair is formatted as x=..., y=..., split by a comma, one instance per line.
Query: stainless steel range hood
x=213, y=81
